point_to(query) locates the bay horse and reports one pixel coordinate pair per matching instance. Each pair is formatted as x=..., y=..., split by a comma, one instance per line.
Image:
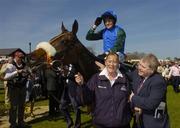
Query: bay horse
x=69, y=50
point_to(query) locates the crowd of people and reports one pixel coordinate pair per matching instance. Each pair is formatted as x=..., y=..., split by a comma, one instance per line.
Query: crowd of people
x=171, y=72
x=115, y=96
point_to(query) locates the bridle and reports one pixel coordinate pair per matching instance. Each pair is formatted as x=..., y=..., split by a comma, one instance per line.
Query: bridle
x=66, y=49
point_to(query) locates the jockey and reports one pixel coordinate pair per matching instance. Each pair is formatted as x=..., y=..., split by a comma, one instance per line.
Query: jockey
x=112, y=35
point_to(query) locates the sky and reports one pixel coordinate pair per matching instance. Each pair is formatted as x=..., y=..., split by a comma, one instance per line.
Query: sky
x=151, y=26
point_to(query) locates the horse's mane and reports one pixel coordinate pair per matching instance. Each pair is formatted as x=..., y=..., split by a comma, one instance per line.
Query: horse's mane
x=88, y=52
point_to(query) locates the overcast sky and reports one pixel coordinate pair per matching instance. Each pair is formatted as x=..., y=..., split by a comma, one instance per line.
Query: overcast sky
x=151, y=25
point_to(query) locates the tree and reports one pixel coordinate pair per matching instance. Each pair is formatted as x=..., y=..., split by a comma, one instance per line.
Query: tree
x=135, y=55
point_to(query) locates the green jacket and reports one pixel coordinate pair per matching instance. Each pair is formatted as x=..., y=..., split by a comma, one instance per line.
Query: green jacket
x=119, y=43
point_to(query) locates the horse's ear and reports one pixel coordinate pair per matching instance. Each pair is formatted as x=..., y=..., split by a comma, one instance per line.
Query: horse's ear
x=63, y=29
x=75, y=27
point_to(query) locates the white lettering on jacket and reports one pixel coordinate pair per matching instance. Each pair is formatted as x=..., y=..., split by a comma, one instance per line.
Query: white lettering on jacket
x=123, y=88
x=101, y=86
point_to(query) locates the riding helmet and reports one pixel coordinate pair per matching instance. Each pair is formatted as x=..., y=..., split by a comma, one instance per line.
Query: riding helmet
x=109, y=14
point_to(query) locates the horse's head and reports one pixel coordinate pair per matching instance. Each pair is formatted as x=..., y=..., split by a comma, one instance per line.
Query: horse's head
x=67, y=45
x=63, y=46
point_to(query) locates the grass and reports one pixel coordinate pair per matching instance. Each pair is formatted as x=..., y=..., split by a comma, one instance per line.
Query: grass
x=59, y=122
x=173, y=101
x=2, y=106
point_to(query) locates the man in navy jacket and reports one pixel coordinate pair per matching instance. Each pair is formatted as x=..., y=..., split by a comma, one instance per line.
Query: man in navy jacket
x=149, y=94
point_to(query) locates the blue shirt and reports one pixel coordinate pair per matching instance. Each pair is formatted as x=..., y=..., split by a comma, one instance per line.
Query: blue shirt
x=110, y=37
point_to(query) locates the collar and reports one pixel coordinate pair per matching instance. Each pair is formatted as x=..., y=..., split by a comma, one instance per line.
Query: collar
x=105, y=73
x=19, y=65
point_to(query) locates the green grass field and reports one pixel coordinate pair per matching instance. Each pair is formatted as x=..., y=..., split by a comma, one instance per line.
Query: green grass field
x=59, y=122
x=173, y=101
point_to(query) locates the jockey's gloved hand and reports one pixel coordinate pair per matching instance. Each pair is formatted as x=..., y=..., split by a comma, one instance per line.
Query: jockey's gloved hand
x=98, y=21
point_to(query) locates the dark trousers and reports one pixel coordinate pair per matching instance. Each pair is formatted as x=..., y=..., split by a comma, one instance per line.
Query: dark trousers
x=67, y=98
x=17, y=104
x=176, y=82
x=53, y=104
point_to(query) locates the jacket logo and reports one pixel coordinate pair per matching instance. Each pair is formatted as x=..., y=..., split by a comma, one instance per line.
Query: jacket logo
x=123, y=88
x=101, y=86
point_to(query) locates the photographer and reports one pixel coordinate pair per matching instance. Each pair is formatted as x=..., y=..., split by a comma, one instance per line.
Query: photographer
x=16, y=80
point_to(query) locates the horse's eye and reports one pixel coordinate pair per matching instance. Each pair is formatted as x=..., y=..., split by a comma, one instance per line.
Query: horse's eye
x=62, y=42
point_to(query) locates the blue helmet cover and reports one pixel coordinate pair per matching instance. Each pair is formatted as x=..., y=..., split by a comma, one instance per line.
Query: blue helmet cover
x=109, y=14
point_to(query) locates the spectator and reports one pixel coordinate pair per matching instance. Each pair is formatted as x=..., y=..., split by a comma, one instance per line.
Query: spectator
x=52, y=84
x=174, y=74
x=30, y=93
x=148, y=98
x=5, y=69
